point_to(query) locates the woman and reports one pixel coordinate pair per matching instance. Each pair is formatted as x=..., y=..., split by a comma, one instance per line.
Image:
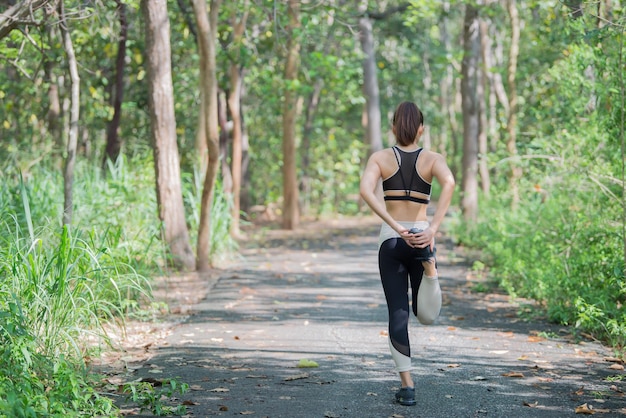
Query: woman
x=407, y=239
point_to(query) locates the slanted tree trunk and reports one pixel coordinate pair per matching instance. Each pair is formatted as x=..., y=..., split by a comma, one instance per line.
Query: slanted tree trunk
x=291, y=211
x=511, y=127
x=72, y=143
x=114, y=144
x=207, y=34
x=163, y=130
x=469, y=70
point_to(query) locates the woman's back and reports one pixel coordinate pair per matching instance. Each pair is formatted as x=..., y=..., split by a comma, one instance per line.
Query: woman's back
x=406, y=203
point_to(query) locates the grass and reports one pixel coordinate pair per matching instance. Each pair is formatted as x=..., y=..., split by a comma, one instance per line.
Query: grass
x=61, y=285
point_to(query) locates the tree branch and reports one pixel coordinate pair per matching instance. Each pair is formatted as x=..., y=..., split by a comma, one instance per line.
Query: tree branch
x=22, y=13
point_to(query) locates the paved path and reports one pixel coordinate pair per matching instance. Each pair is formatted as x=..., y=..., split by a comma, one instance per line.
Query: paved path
x=317, y=296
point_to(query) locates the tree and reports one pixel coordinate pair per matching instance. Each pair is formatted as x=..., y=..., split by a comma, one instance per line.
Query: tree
x=114, y=145
x=234, y=104
x=291, y=213
x=511, y=126
x=207, y=34
x=373, y=133
x=70, y=161
x=469, y=83
x=163, y=132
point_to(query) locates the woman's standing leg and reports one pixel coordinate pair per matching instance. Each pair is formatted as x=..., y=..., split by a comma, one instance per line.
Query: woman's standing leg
x=394, y=278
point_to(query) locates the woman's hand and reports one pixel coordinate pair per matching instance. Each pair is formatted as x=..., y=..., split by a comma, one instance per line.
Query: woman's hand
x=420, y=240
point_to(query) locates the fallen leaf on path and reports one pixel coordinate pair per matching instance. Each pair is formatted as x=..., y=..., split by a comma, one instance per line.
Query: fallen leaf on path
x=304, y=363
x=535, y=339
x=477, y=378
x=223, y=408
x=196, y=387
x=397, y=416
x=616, y=367
x=614, y=388
x=372, y=394
x=513, y=374
x=372, y=305
x=584, y=409
x=457, y=318
x=330, y=415
x=451, y=328
x=384, y=333
x=454, y=365
x=507, y=334
x=246, y=413
x=449, y=396
x=531, y=405
x=499, y=351
x=221, y=390
x=522, y=358
x=190, y=403
x=580, y=391
x=614, y=360
x=296, y=377
x=545, y=379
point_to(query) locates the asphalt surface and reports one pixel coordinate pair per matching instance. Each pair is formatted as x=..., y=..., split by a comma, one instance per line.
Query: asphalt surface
x=316, y=296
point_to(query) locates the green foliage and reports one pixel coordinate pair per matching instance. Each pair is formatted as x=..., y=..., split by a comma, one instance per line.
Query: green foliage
x=32, y=385
x=149, y=398
x=563, y=244
x=57, y=291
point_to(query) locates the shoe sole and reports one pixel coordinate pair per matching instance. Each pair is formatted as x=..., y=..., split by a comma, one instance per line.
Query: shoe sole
x=407, y=402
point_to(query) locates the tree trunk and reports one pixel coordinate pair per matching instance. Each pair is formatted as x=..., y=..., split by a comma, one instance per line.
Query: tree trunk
x=483, y=83
x=207, y=34
x=511, y=127
x=163, y=129
x=469, y=70
x=370, y=85
x=291, y=213
x=448, y=93
x=114, y=145
x=311, y=108
x=53, y=115
x=72, y=143
x=234, y=101
x=224, y=141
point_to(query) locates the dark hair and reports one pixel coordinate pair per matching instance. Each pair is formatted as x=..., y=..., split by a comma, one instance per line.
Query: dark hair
x=406, y=120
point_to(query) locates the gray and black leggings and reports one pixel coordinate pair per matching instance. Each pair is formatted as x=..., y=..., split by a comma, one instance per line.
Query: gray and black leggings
x=400, y=265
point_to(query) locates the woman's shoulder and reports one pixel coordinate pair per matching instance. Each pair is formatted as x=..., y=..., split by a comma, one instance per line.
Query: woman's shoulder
x=383, y=153
x=431, y=155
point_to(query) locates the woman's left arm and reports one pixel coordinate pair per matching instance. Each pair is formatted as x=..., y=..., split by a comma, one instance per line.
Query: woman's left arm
x=444, y=177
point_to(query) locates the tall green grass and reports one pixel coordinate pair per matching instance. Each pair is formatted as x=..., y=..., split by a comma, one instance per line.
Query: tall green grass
x=56, y=292
x=61, y=285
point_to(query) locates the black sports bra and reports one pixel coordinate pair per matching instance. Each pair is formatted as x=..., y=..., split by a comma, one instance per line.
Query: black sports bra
x=407, y=169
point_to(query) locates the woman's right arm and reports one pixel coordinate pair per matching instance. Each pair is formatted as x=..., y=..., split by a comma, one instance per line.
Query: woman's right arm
x=369, y=180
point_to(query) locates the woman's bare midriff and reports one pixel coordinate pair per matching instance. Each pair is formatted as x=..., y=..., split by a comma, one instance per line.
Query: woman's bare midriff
x=406, y=210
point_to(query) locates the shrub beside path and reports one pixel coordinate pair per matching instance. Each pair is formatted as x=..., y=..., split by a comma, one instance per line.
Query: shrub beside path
x=313, y=297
